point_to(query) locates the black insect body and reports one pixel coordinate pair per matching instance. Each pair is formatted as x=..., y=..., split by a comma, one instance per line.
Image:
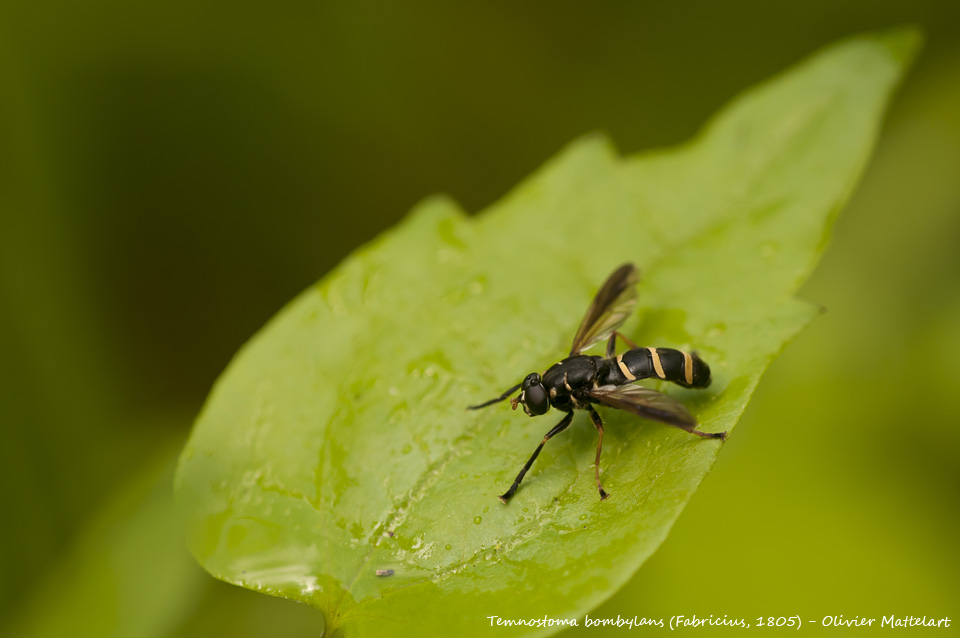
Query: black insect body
x=579, y=381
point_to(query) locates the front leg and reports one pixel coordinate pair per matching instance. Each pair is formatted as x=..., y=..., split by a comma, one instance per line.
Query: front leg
x=557, y=429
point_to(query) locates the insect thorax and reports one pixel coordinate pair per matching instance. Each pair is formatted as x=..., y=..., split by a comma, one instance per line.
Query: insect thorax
x=571, y=374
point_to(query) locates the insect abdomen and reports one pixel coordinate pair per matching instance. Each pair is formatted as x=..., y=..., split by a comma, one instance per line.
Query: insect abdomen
x=682, y=368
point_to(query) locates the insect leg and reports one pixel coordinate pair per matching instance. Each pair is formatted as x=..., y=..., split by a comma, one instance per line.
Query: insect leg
x=598, y=423
x=692, y=429
x=612, y=344
x=558, y=428
x=502, y=397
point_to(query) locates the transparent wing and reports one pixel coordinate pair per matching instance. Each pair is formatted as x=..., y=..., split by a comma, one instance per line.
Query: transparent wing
x=645, y=403
x=609, y=309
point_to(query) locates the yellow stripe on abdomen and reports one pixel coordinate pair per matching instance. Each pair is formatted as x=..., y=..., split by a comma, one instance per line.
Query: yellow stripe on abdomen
x=657, y=366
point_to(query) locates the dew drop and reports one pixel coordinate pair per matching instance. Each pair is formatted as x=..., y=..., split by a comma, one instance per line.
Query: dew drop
x=477, y=519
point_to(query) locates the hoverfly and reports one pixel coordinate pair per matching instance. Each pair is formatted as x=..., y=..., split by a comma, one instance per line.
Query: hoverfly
x=579, y=381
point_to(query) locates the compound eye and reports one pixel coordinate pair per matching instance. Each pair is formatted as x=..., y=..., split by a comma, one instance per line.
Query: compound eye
x=535, y=400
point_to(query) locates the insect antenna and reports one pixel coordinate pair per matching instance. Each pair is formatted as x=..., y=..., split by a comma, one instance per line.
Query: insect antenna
x=502, y=397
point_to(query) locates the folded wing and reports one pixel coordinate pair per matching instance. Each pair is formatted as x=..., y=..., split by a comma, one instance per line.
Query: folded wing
x=645, y=403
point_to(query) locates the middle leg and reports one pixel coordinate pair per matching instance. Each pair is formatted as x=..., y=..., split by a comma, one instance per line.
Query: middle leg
x=598, y=423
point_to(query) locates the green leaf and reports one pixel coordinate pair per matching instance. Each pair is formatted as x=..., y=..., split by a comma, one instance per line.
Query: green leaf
x=336, y=443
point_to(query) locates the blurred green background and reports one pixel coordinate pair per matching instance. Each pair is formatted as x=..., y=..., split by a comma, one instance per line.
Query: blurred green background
x=172, y=173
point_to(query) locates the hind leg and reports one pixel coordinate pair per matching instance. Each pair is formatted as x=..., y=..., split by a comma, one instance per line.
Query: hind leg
x=612, y=344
